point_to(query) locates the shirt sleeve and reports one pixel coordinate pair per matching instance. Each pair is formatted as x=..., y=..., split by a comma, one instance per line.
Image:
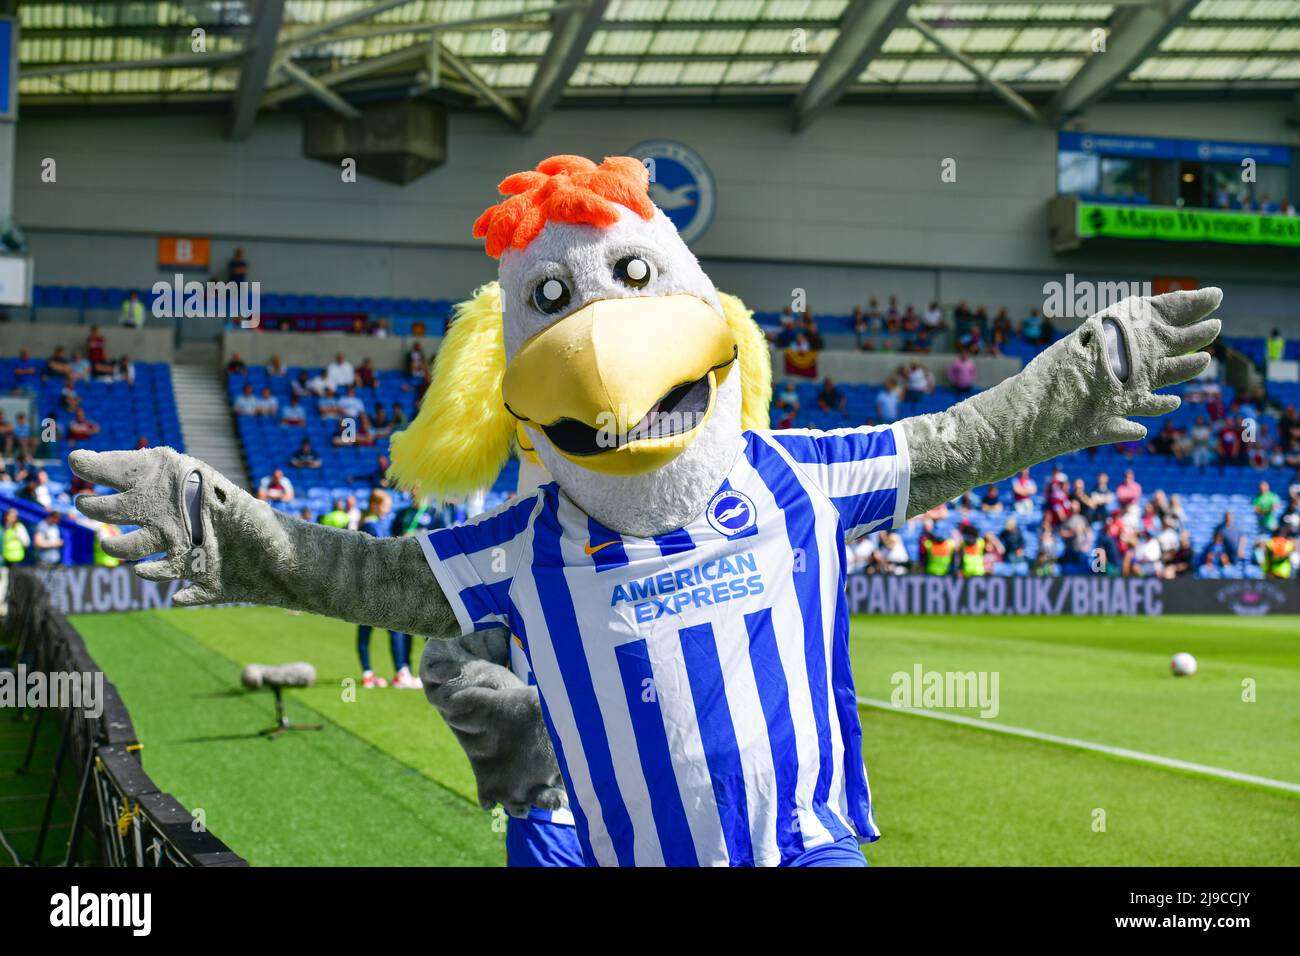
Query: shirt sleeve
x=475, y=562
x=864, y=472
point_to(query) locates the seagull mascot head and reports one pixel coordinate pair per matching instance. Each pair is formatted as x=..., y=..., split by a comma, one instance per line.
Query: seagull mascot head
x=603, y=351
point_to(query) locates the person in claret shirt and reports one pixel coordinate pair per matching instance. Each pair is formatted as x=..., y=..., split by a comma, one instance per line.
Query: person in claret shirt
x=1129, y=491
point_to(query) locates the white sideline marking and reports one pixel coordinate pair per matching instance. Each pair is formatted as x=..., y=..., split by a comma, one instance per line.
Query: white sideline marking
x=1077, y=744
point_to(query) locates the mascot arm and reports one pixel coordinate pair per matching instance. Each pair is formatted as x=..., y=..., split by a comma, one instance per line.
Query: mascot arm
x=233, y=548
x=1077, y=393
x=497, y=719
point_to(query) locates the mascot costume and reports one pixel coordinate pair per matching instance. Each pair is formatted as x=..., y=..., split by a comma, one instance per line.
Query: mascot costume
x=676, y=583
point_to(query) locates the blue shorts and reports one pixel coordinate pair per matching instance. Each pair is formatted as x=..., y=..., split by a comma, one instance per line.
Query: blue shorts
x=541, y=843
x=843, y=852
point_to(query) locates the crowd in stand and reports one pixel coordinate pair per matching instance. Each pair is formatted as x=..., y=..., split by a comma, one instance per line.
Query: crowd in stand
x=20, y=439
x=1098, y=530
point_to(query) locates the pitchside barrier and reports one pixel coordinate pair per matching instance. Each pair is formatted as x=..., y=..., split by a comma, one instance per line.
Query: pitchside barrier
x=119, y=817
x=85, y=590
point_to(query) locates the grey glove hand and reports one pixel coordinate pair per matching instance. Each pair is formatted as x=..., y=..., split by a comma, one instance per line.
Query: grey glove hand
x=497, y=719
x=232, y=547
x=1077, y=393
x=152, y=495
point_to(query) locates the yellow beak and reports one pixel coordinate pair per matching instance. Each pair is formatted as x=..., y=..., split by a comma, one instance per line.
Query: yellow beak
x=622, y=386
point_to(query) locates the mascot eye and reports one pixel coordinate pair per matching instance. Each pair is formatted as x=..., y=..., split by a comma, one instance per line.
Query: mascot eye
x=634, y=271
x=551, y=295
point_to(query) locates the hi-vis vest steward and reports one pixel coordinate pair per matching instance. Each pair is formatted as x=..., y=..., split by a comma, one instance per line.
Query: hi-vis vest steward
x=335, y=519
x=938, y=555
x=14, y=550
x=972, y=559
x=1277, y=557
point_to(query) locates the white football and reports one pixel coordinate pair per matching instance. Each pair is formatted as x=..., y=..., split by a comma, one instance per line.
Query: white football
x=1183, y=664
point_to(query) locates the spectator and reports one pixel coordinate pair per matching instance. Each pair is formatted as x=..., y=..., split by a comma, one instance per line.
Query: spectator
x=892, y=553
x=80, y=428
x=374, y=479
x=786, y=331
x=340, y=374
x=1023, y=491
x=8, y=435
x=15, y=540
x=38, y=489
x=294, y=414
x=26, y=441
x=1031, y=328
x=1076, y=533
x=887, y=402
x=381, y=423
x=1145, y=559
x=350, y=405
x=990, y=502
x=1129, y=491
x=236, y=365
x=830, y=398
x=124, y=371
x=366, y=375
x=68, y=397
x=25, y=368
x=919, y=381
x=416, y=364
x=247, y=403
x=399, y=643
x=57, y=364
x=812, y=333
x=1056, y=500
x=1200, y=438
x=1102, y=498
x=275, y=487
x=132, y=314
x=48, y=541
x=1229, y=442
x=237, y=267
x=95, y=347
x=860, y=555
x=961, y=373
x=275, y=368
x=1045, y=565
x=399, y=416
x=1013, y=546
x=1265, y=507
x=301, y=387
x=1179, y=560
x=306, y=456
x=933, y=317
x=267, y=404
x=79, y=367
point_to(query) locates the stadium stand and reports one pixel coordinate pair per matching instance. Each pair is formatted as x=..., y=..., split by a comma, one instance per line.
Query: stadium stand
x=126, y=414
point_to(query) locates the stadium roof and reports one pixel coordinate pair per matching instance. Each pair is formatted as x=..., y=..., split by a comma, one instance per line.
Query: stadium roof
x=521, y=57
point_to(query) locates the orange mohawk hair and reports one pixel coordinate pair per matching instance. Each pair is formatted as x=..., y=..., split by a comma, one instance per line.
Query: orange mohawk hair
x=569, y=189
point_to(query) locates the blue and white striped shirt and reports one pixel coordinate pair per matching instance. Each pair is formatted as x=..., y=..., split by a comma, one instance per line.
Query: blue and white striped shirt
x=696, y=685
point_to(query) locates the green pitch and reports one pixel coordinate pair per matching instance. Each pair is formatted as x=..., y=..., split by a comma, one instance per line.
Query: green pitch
x=385, y=782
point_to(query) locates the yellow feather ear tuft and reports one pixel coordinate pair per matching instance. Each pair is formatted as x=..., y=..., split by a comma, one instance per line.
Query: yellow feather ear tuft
x=461, y=436
x=755, y=364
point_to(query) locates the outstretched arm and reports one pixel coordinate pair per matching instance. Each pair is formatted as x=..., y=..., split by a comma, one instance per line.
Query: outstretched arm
x=1077, y=393
x=497, y=718
x=232, y=547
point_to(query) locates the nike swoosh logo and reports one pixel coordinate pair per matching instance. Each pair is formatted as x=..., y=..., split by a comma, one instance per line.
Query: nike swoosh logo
x=589, y=550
